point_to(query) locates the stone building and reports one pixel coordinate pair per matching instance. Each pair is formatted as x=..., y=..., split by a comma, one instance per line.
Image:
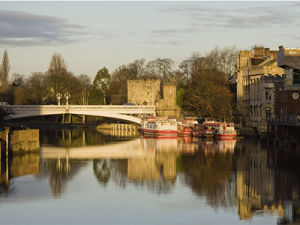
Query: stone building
x=143, y=92
x=258, y=81
x=147, y=92
x=289, y=101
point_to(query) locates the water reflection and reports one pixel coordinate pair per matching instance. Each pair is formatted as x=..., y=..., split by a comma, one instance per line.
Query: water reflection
x=243, y=176
x=18, y=166
x=209, y=172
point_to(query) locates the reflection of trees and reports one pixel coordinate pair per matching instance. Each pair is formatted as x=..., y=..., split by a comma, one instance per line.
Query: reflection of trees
x=101, y=170
x=113, y=169
x=119, y=172
x=60, y=172
x=116, y=171
x=211, y=176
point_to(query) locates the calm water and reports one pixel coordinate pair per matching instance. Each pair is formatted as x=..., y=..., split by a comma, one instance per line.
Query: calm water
x=88, y=177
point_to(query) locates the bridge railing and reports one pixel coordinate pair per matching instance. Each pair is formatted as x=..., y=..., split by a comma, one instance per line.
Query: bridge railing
x=70, y=108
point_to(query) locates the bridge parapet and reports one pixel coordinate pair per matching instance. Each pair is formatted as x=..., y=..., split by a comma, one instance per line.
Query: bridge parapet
x=111, y=111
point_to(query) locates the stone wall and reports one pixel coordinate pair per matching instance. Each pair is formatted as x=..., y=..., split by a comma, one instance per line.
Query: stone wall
x=147, y=92
x=142, y=92
x=24, y=140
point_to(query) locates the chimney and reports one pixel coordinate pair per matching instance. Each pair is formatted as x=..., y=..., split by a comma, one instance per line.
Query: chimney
x=273, y=54
x=280, y=47
x=258, y=51
x=267, y=52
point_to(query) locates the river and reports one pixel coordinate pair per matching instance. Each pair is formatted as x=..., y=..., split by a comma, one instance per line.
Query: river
x=93, y=177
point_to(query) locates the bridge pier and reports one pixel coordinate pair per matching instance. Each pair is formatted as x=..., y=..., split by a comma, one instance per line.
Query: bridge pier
x=123, y=129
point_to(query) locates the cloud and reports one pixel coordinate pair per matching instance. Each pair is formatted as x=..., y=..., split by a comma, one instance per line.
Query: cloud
x=24, y=29
x=172, y=32
x=262, y=16
x=164, y=42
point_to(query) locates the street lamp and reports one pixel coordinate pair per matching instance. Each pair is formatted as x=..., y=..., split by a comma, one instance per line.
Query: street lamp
x=67, y=96
x=58, y=96
x=102, y=86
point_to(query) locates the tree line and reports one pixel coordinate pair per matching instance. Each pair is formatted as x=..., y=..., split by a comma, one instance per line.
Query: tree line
x=203, y=82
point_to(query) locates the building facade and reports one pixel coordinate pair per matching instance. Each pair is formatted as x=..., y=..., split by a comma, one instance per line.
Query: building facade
x=289, y=101
x=258, y=82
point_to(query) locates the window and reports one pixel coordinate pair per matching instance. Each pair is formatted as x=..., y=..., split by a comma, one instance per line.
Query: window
x=268, y=114
x=268, y=94
x=296, y=77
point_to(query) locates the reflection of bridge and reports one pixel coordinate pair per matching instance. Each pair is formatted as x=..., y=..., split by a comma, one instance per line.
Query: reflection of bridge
x=123, y=150
x=130, y=113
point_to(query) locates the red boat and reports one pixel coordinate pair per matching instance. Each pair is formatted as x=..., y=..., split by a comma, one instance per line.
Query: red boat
x=185, y=130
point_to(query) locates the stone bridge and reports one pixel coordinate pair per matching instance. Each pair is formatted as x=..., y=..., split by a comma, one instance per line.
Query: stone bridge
x=131, y=113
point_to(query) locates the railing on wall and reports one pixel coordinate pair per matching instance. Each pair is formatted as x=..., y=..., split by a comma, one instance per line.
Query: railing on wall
x=290, y=119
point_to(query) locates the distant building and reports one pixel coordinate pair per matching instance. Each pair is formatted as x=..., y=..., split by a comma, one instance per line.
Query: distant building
x=289, y=100
x=258, y=81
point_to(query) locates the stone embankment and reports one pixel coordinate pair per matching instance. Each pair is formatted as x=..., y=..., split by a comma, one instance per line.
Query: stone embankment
x=14, y=142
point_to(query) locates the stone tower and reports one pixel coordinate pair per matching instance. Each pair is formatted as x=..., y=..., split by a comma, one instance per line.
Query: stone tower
x=169, y=92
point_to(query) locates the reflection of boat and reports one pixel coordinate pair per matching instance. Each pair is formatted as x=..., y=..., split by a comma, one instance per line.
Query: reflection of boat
x=225, y=146
x=225, y=131
x=211, y=146
x=159, y=126
x=187, y=145
x=154, y=144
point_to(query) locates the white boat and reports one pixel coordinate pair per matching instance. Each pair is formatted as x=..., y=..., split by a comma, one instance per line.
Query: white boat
x=225, y=131
x=159, y=127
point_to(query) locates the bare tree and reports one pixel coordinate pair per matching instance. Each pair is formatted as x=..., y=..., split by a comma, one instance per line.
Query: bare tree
x=4, y=71
x=161, y=68
x=57, y=71
x=17, y=80
x=187, y=68
x=137, y=68
x=37, y=88
x=224, y=60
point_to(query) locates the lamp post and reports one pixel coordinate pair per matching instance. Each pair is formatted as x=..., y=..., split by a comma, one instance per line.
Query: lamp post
x=58, y=96
x=67, y=96
x=102, y=86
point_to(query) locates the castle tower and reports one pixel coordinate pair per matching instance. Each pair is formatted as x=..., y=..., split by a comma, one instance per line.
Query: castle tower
x=169, y=99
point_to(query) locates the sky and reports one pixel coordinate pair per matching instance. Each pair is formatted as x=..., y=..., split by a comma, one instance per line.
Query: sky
x=96, y=34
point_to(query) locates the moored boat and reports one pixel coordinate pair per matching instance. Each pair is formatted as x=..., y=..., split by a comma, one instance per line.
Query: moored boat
x=185, y=130
x=159, y=126
x=186, y=127
x=203, y=130
x=225, y=131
